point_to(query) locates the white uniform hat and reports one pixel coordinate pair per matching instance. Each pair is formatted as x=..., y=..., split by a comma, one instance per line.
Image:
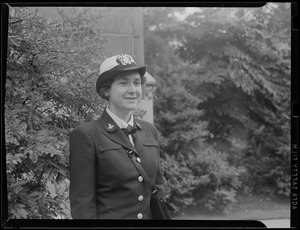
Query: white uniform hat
x=115, y=65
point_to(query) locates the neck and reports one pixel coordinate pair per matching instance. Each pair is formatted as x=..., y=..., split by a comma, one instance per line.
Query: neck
x=124, y=115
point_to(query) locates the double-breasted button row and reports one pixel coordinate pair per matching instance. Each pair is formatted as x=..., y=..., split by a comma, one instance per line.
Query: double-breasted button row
x=140, y=216
x=140, y=179
x=140, y=198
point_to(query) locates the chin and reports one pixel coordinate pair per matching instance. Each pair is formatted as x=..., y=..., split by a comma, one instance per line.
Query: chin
x=131, y=108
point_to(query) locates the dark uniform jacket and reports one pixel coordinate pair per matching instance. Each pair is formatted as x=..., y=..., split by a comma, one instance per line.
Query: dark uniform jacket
x=104, y=183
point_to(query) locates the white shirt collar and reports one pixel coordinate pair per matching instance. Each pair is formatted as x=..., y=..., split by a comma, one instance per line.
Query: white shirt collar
x=122, y=124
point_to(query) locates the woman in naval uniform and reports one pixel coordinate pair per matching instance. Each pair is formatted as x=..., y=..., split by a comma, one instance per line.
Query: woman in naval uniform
x=104, y=183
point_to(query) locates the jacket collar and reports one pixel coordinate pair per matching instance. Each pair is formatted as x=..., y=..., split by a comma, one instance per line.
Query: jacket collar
x=119, y=121
x=113, y=132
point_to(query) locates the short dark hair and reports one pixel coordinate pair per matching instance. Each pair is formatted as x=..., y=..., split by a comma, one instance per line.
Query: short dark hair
x=106, y=86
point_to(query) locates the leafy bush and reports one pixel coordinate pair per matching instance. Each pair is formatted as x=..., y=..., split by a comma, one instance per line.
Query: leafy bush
x=223, y=78
x=195, y=173
x=49, y=90
x=179, y=181
x=271, y=174
x=218, y=180
x=205, y=180
x=241, y=67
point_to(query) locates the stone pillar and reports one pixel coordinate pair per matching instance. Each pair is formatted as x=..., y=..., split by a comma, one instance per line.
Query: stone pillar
x=123, y=29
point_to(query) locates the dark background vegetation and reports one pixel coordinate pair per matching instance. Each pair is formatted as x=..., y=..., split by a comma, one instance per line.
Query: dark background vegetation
x=222, y=107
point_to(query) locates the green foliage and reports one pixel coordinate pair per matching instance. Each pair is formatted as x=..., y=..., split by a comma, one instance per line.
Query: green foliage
x=49, y=90
x=271, y=174
x=218, y=180
x=223, y=77
x=179, y=181
x=242, y=57
x=195, y=173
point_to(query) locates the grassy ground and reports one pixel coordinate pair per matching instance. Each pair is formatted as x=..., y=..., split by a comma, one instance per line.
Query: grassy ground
x=247, y=208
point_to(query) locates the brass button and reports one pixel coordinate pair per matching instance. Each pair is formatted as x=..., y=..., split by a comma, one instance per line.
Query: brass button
x=140, y=216
x=140, y=198
x=140, y=179
x=138, y=160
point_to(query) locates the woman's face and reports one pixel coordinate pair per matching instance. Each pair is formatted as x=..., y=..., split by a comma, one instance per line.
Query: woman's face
x=125, y=93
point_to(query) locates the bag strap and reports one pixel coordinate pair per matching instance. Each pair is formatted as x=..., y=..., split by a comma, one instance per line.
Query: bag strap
x=141, y=170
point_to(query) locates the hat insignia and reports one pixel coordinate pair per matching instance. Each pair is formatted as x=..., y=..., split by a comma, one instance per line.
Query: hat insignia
x=124, y=59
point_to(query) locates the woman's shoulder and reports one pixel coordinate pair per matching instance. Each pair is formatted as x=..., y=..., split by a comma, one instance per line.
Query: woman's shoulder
x=86, y=126
x=146, y=125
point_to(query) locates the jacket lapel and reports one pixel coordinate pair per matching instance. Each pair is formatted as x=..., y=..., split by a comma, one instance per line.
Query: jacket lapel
x=113, y=132
x=139, y=137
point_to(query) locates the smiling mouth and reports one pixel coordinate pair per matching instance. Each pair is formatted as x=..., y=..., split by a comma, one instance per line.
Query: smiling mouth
x=131, y=98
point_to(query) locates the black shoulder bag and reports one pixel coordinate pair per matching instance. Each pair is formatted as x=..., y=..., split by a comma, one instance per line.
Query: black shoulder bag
x=159, y=207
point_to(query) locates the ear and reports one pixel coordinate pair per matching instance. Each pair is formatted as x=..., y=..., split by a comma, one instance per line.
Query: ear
x=106, y=92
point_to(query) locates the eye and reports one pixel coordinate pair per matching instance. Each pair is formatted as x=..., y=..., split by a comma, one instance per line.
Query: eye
x=123, y=83
x=137, y=83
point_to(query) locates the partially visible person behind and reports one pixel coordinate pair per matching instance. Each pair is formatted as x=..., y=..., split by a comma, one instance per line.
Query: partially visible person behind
x=104, y=183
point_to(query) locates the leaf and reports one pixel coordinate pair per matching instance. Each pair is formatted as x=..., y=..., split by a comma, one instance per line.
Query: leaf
x=33, y=156
x=11, y=139
x=22, y=213
x=35, y=194
x=21, y=128
x=50, y=200
x=17, y=184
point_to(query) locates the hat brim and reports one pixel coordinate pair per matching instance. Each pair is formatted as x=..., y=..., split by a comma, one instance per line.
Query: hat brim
x=110, y=74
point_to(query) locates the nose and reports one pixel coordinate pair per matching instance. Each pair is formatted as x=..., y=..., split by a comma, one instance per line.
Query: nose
x=132, y=88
